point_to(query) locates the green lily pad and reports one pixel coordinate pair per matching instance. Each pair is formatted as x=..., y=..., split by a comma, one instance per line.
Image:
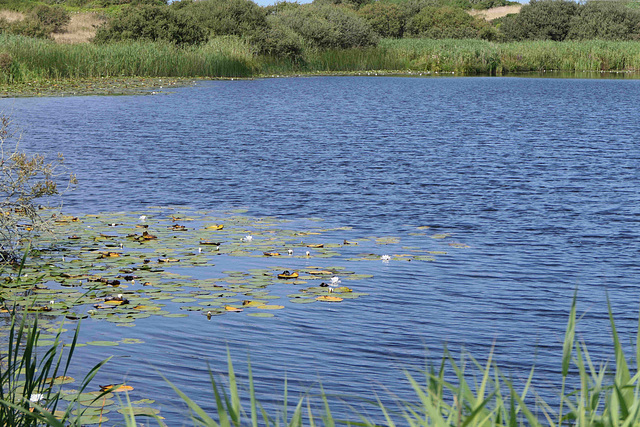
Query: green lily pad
x=135, y=411
x=102, y=343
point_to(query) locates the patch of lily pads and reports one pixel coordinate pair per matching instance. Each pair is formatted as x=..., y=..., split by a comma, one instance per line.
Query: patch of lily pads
x=126, y=267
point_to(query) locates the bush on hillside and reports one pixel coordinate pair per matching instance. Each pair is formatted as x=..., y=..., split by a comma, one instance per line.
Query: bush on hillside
x=610, y=20
x=444, y=23
x=351, y=4
x=154, y=23
x=327, y=26
x=540, y=20
x=278, y=41
x=227, y=17
x=54, y=18
x=387, y=19
x=27, y=27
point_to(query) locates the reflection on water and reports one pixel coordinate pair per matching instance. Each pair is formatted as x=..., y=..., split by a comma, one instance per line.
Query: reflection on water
x=538, y=176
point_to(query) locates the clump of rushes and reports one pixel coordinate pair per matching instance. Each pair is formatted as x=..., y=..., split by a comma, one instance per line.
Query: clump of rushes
x=28, y=395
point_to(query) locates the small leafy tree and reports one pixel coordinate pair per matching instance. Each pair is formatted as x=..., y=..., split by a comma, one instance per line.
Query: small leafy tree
x=227, y=17
x=152, y=23
x=25, y=181
x=444, y=22
x=540, y=20
x=386, y=19
x=53, y=18
x=327, y=26
x=610, y=20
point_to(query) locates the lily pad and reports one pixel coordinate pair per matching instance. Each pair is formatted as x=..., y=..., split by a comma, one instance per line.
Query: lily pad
x=102, y=343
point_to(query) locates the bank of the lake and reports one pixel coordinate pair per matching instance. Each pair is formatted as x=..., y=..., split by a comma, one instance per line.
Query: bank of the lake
x=31, y=61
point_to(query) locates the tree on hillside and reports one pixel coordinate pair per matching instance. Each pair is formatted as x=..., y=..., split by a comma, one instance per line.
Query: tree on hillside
x=327, y=26
x=444, y=22
x=152, y=23
x=386, y=19
x=540, y=20
x=227, y=17
x=605, y=20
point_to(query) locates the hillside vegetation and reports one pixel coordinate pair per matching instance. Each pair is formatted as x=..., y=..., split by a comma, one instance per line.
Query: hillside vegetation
x=323, y=36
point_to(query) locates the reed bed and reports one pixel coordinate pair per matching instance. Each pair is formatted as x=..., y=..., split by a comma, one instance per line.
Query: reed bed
x=25, y=59
x=34, y=59
x=483, y=57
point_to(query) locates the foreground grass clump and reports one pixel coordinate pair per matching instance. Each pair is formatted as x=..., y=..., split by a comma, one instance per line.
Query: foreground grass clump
x=30, y=392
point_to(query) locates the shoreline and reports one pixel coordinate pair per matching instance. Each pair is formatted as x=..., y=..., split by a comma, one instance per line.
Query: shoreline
x=123, y=86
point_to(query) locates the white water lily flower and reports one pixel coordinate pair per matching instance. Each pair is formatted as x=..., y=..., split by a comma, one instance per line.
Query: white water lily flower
x=335, y=281
x=385, y=258
x=308, y=253
x=143, y=218
x=290, y=251
x=248, y=238
x=36, y=397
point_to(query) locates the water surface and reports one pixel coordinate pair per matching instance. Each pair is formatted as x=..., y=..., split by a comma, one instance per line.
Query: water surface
x=538, y=176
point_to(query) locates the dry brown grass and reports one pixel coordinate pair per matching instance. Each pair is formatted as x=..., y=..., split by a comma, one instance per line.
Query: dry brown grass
x=81, y=29
x=11, y=16
x=496, y=12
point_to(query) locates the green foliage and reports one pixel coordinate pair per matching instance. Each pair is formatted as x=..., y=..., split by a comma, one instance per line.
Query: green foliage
x=54, y=18
x=279, y=41
x=28, y=27
x=44, y=60
x=540, y=20
x=24, y=181
x=605, y=20
x=444, y=23
x=386, y=19
x=226, y=17
x=327, y=26
x=28, y=396
x=152, y=23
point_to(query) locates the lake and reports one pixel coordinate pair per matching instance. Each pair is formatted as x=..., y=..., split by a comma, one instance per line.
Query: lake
x=534, y=185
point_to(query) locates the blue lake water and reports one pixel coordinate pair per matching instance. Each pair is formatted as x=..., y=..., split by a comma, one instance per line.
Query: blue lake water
x=539, y=177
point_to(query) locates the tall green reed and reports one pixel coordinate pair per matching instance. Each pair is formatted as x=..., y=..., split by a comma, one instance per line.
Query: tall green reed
x=28, y=394
x=42, y=59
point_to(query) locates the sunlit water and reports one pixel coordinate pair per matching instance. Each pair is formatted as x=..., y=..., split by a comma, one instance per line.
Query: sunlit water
x=539, y=177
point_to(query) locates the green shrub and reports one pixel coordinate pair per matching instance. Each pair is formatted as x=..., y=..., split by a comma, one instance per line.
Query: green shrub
x=279, y=41
x=29, y=27
x=386, y=19
x=540, y=20
x=227, y=17
x=55, y=18
x=327, y=26
x=153, y=23
x=610, y=20
x=444, y=23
